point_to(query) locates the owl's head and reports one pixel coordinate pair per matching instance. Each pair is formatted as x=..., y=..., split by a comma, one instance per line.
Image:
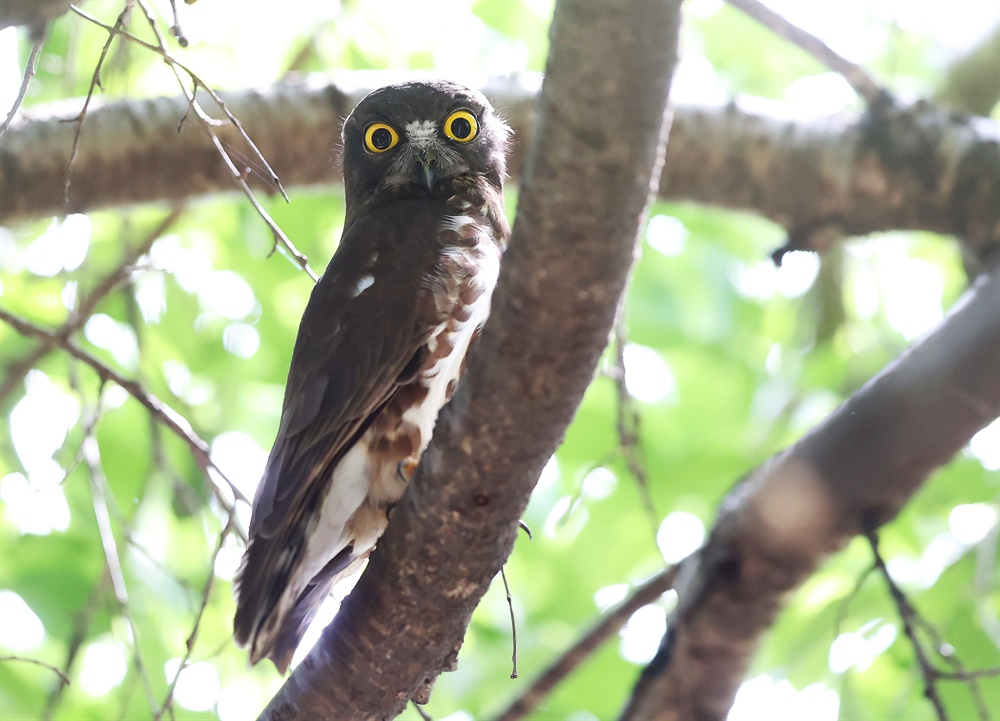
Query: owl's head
x=419, y=138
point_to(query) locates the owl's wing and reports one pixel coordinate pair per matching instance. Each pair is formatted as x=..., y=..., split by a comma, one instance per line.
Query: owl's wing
x=367, y=319
x=362, y=334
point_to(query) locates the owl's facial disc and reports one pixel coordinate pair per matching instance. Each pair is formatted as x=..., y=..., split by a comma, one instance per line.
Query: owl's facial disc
x=420, y=139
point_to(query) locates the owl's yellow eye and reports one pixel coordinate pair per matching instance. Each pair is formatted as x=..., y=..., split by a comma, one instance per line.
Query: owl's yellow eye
x=379, y=137
x=461, y=126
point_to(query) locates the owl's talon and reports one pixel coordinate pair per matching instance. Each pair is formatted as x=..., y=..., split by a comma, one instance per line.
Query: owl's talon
x=524, y=527
x=406, y=468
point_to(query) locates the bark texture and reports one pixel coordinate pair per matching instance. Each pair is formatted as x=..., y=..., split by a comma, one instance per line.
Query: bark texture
x=585, y=190
x=854, y=471
x=898, y=168
x=892, y=168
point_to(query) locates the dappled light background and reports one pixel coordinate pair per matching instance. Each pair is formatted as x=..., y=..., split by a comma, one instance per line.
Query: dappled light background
x=727, y=359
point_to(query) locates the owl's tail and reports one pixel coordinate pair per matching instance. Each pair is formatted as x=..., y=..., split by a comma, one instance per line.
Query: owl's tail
x=271, y=615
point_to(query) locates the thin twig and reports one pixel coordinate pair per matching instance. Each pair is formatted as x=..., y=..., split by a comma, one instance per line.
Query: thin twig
x=193, y=636
x=160, y=410
x=855, y=75
x=960, y=672
x=193, y=104
x=420, y=710
x=627, y=424
x=128, y=534
x=848, y=599
x=126, y=530
x=81, y=628
x=280, y=239
x=185, y=496
x=912, y=621
x=513, y=623
x=175, y=29
x=15, y=372
x=90, y=454
x=29, y=72
x=63, y=678
x=98, y=488
x=95, y=82
x=588, y=643
x=907, y=615
x=969, y=675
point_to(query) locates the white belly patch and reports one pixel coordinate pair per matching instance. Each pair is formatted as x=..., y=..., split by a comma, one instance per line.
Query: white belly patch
x=367, y=480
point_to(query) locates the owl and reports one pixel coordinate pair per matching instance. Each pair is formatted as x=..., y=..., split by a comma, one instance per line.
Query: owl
x=380, y=347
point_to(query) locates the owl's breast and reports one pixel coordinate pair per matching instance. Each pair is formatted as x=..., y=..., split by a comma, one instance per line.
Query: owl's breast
x=461, y=286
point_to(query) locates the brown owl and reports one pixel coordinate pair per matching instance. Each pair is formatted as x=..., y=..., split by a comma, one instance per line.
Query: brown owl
x=380, y=347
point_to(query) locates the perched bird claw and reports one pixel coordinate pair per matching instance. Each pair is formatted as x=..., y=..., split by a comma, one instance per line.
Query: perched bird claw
x=406, y=468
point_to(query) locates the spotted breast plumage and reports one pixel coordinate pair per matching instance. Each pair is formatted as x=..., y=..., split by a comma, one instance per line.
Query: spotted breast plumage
x=380, y=347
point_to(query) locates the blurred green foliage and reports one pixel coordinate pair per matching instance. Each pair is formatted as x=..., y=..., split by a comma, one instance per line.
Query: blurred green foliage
x=733, y=360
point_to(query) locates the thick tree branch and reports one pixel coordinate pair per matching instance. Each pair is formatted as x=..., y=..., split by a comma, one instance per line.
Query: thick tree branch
x=854, y=471
x=141, y=150
x=584, y=194
x=904, y=169
x=910, y=169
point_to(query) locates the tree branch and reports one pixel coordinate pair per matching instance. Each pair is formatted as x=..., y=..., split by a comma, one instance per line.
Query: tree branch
x=855, y=75
x=584, y=194
x=158, y=409
x=168, y=702
x=99, y=492
x=207, y=123
x=15, y=370
x=124, y=17
x=63, y=678
x=854, y=471
x=907, y=615
x=912, y=168
x=908, y=168
x=29, y=72
x=912, y=622
x=611, y=622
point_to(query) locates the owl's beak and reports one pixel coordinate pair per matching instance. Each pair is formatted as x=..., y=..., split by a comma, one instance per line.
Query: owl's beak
x=425, y=169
